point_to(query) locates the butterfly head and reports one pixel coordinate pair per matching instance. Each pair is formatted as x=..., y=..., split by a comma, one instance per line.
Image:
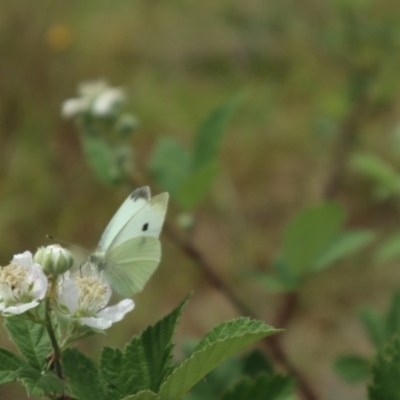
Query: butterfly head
x=98, y=260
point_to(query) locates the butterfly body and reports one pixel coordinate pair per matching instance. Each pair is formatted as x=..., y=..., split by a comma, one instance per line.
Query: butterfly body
x=129, y=250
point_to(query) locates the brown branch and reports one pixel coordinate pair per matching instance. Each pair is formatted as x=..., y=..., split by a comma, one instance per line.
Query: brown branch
x=271, y=342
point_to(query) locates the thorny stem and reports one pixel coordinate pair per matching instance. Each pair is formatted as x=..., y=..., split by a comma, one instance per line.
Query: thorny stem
x=50, y=330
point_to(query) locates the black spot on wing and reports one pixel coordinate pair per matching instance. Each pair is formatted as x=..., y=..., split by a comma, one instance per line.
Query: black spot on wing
x=145, y=227
x=141, y=193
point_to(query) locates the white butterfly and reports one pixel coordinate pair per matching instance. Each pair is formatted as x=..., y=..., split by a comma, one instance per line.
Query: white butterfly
x=129, y=250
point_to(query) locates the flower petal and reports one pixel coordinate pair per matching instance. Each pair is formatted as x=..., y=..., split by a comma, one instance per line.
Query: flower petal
x=117, y=312
x=24, y=260
x=39, y=281
x=96, y=323
x=68, y=292
x=20, y=308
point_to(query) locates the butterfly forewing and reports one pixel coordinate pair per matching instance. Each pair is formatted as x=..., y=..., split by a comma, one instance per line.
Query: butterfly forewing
x=148, y=221
x=130, y=265
x=135, y=201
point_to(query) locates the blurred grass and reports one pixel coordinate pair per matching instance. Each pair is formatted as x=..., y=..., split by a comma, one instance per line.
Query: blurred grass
x=303, y=66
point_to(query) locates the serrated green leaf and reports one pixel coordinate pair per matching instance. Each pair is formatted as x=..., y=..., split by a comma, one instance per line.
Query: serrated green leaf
x=263, y=387
x=31, y=339
x=386, y=373
x=144, y=395
x=9, y=364
x=100, y=159
x=39, y=384
x=344, y=245
x=393, y=317
x=218, y=345
x=170, y=164
x=146, y=361
x=389, y=250
x=352, y=369
x=110, y=373
x=82, y=375
x=309, y=234
x=211, y=131
x=374, y=325
x=196, y=186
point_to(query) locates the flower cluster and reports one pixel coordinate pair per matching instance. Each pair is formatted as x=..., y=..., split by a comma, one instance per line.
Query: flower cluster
x=96, y=98
x=81, y=299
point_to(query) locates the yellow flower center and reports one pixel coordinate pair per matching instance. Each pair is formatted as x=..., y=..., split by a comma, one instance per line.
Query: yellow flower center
x=13, y=282
x=92, y=295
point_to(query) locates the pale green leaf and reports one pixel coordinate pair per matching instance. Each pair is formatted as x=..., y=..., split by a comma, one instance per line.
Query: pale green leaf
x=221, y=343
x=196, y=186
x=352, y=368
x=309, y=234
x=389, y=250
x=9, y=364
x=211, y=131
x=386, y=178
x=170, y=164
x=100, y=159
x=31, y=339
x=343, y=246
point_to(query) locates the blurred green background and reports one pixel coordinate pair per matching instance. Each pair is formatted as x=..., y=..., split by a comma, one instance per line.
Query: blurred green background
x=313, y=73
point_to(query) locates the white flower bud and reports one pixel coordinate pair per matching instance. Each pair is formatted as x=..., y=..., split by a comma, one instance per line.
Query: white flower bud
x=54, y=259
x=126, y=124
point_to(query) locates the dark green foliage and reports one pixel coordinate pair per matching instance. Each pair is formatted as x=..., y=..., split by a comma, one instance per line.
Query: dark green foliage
x=386, y=373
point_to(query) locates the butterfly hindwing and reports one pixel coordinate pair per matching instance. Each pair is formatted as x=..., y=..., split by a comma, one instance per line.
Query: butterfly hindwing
x=130, y=265
x=131, y=206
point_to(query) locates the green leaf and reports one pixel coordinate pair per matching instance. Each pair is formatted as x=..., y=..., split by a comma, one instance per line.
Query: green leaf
x=352, y=369
x=211, y=131
x=309, y=234
x=196, y=186
x=344, y=245
x=393, y=317
x=170, y=164
x=82, y=375
x=374, y=325
x=389, y=250
x=39, y=384
x=147, y=359
x=100, y=159
x=385, y=177
x=255, y=363
x=144, y=395
x=9, y=364
x=386, y=373
x=31, y=339
x=218, y=345
x=263, y=387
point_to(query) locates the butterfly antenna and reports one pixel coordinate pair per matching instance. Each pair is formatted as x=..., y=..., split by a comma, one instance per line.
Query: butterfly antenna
x=68, y=243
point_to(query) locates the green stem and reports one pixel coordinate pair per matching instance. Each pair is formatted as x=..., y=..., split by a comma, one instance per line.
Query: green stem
x=52, y=335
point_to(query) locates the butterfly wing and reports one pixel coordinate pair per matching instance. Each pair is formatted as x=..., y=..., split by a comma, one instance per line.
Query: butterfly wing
x=147, y=221
x=130, y=265
x=131, y=206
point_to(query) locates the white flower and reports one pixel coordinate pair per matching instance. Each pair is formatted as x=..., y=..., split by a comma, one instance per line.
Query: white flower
x=85, y=298
x=22, y=285
x=95, y=97
x=107, y=102
x=72, y=107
